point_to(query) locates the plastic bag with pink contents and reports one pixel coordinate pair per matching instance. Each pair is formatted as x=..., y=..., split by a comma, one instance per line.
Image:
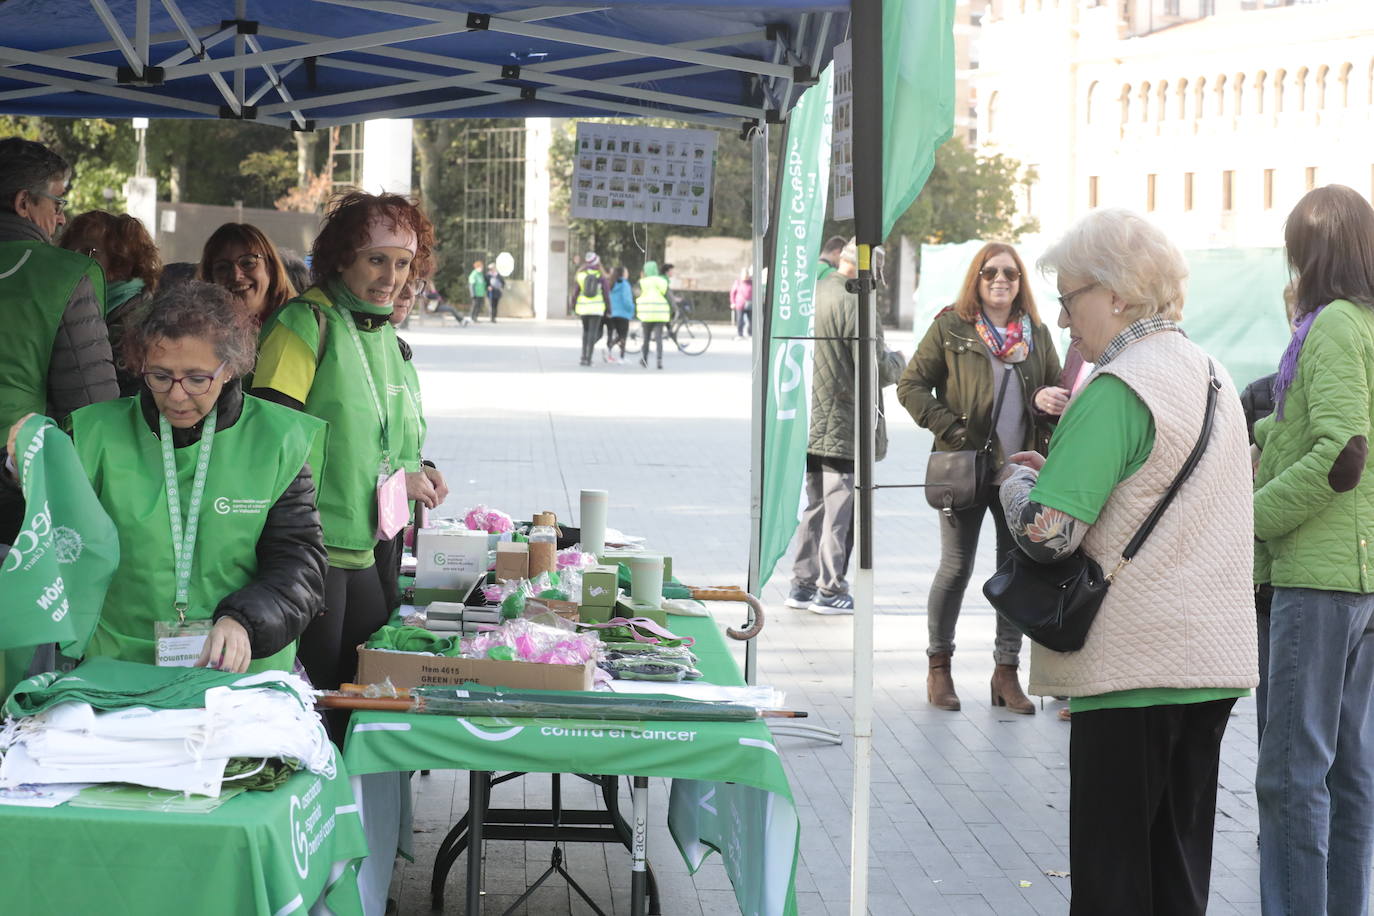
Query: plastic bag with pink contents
x=533, y=642
x=492, y=521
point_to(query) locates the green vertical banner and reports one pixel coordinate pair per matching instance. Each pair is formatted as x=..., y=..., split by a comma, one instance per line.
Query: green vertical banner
x=918, y=97
x=799, y=225
x=53, y=579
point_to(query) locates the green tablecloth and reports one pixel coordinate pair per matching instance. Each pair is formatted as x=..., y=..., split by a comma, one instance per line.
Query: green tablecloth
x=729, y=792
x=265, y=853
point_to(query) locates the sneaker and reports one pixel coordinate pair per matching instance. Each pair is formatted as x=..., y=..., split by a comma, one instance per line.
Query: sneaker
x=832, y=604
x=800, y=597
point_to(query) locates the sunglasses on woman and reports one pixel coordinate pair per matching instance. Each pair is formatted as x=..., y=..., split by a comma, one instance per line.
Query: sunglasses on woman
x=990, y=273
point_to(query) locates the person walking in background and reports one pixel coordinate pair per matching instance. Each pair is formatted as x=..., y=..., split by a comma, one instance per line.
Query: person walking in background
x=830, y=256
x=130, y=260
x=1172, y=646
x=590, y=303
x=622, y=310
x=477, y=289
x=988, y=349
x=741, y=303
x=496, y=287
x=241, y=258
x=1314, y=516
x=826, y=531
x=651, y=306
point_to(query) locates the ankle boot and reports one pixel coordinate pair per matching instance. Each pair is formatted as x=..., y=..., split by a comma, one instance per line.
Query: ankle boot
x=940, y=685
x=1006, y=691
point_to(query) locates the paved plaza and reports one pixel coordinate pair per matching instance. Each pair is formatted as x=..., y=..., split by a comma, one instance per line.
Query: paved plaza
x=970, y=809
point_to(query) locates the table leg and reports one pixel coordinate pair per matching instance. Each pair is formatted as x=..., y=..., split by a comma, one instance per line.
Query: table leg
x=639, y=876
x=479, y=783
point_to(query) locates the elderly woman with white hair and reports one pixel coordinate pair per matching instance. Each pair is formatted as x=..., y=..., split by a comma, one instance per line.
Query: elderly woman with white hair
x=1173, y=643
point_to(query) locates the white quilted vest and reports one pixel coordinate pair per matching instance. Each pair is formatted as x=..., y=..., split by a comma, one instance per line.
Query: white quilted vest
x=1182, y=614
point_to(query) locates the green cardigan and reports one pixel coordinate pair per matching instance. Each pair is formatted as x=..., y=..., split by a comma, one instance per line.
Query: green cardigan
x=1307, y=534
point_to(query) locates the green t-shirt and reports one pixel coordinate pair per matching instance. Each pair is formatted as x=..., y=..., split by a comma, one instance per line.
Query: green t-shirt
x=1105, y=436
x=477, y=283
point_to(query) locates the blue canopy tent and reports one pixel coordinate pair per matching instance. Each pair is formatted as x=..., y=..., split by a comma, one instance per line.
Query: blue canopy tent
x=313, y=64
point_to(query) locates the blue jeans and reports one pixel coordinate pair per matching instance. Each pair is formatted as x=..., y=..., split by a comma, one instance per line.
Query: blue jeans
x=1315, y=783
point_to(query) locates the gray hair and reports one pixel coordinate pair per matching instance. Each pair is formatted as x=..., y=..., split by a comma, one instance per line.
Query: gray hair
x=1123, y=252
x=195, y=309
x=26, y=165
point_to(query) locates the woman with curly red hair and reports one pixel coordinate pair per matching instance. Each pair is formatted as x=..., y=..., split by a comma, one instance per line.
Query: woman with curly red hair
x=332, y=353
x=239, y=257
x=125, y=251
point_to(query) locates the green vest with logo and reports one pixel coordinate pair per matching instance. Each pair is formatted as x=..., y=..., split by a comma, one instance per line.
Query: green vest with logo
x=414, y=429
x=36, y=283
x=652, y=304
x=589, y=305
x=351, y=453
x=251, y=465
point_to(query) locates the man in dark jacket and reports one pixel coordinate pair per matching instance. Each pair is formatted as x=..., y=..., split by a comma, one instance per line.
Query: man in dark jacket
x=55, y=353
x=826, y=532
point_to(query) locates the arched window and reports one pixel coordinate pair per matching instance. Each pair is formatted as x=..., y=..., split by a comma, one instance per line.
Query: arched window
x=993, y=101
x=1345, y=85
x=1238, y=88
x=1091, y=103
x=1300, y=90
x=1322, y=74
x=1280, y=78
x=1221, y=95
x=1182, y=92
x=1125, y=103
x=1144, y=102
x=1261, y=89
x=1162, y=100
x=1200, y=98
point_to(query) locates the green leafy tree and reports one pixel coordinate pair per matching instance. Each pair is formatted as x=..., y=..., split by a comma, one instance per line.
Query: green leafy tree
x=967, y=196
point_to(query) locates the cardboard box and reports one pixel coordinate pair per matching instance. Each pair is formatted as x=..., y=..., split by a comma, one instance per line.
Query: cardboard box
x=422, y=597
x=623, y=608
x=450, y=556
x=407, y=670
x=600, y=585
x=512, y=560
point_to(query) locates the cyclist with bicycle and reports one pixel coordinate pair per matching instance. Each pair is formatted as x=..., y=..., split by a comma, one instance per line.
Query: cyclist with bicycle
x=652, y=309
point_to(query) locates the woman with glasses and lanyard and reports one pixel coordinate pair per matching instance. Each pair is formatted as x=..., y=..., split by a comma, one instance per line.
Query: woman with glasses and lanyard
x=239, y=257
x=332, y=352
x=992, y=334
x=220, y=542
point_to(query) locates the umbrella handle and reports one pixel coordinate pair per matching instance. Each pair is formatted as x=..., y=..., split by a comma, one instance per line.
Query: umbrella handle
x=753, y=624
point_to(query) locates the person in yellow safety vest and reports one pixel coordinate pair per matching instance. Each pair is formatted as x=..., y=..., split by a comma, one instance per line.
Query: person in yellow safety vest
x=652, y=309
x=590, y=302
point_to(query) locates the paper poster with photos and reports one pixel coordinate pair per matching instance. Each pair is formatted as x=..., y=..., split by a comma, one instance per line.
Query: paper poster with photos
x=842, y=134
x=644, y=174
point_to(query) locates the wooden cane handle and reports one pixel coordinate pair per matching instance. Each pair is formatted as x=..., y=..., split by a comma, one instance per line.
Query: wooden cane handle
x=734, y=593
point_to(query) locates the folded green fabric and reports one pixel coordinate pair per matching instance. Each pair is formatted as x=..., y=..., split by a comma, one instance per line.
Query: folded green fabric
x=413, y=639
x=272, y=773
x=108, y=683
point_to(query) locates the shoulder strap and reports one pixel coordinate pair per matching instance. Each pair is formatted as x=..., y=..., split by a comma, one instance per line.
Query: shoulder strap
x=319, y=347
x=1213, y=386
x=1007, y=370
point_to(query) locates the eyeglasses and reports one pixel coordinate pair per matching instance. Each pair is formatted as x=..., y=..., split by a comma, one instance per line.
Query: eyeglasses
x=193, y=385
x=990, y=273
x=225, y=268
x=88, y=252
x=1064, y=299
x=61, y=202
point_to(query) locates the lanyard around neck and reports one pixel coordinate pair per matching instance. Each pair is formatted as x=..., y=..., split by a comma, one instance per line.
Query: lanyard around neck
x=357, y=339
x=184, y=542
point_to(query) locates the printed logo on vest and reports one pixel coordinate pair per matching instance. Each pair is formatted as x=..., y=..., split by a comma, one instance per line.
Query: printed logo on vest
x=226, y=506
x=67, y=544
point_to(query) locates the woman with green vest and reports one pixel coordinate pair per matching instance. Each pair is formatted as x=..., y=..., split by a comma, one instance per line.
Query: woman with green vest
x=651, y=307
x=210, y=493
x=591, y=300
x=332, y=353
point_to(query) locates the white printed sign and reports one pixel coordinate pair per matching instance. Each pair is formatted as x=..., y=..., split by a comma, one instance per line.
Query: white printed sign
x=643, y=174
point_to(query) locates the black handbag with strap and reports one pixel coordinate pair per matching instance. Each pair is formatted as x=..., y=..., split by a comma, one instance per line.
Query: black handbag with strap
x=956, y=481
x=1055, y=603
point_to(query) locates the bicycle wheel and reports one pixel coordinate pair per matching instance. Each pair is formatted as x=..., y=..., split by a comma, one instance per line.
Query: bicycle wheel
x=693, y=336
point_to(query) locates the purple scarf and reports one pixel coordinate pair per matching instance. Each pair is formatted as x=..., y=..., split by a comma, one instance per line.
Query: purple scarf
x=1288, y=365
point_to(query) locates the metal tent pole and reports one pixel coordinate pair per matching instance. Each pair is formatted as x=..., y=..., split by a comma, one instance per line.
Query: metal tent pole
x=759, y=375
x=867, y=33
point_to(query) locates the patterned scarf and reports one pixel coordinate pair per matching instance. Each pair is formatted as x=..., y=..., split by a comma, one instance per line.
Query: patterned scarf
x=1014, y=347
x=1288, y=365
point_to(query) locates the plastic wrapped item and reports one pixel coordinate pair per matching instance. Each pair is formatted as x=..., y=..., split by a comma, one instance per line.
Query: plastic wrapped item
x=649, y=668
x=534, y=642
x=573, y=558
x=492, y=521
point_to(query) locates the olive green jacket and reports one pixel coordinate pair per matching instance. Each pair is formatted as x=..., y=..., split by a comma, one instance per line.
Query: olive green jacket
x=948, y=387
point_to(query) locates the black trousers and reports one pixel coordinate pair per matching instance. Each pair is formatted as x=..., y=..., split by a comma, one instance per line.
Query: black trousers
x=653, y=330
x=354, y=608
x=388, y=556
x=1142, y=805
x=591, y=333
x=617, y=332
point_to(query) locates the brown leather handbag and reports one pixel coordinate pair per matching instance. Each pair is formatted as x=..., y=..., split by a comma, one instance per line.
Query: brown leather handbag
x=956, y=481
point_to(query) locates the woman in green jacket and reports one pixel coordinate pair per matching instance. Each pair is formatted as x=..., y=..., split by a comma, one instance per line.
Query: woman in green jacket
x=1314, y=519
x=333, y=353
x=950, y=388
